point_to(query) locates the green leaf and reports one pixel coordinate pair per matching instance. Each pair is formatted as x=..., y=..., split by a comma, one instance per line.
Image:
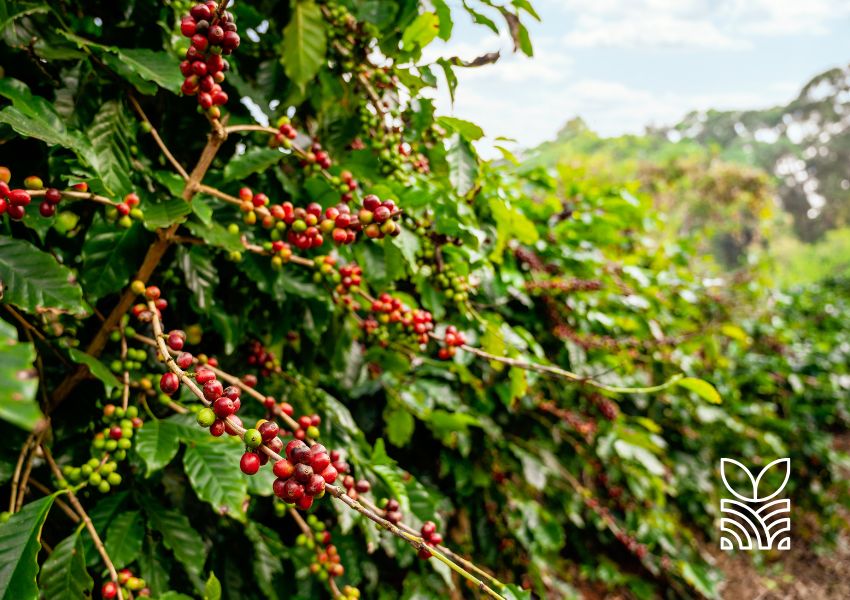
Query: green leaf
x=421, y=32
x=97, y=368
x=268, y=554
x=175, y=596
x=101, y=516
x=216, y=235
x=304, y=43
x=19, y=547
x=212, y=467
x=110, y=135
x=255, y=160
x=467, y=129
x=701, y=388
x=107, y=254
x=157, y=443
x=179, y=536
x=17, y=394
x=124, y=538
x=163, y=214
x=444, y=13
x=400, y=426
x=33, y=280
x=155, y=66
x=212, y=588
x=63, y=575
x=463, y=164
x=510, y=225
x=201, y=275
x=154, y=566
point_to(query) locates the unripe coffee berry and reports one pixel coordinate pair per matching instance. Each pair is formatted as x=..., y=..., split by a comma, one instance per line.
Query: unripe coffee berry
x=206, y=417
x=252, y=438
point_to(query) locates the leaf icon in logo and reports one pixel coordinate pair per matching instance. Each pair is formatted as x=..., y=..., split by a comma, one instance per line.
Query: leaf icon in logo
x=752, y=494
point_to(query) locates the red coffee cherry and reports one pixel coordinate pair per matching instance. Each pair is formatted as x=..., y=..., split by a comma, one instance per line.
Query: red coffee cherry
x=250, y=463
x=169, y=383
x=213, y=390
x=109, y=590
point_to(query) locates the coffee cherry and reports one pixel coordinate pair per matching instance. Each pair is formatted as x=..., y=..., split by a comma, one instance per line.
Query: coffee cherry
x=169, y=383
x=269, y=429
x=304, y=502
x=283, y=469
x=223, y=407
x=428, y=529
x=206, y=417
x=202, y=376
x=115, y=433
x=329, y=474
x=19, y=197
x=362, y=486
x=109, y=590
x=175, y=341
x=292, y=491
x=252, y=438
x=250, y=463
x=213, y=390
x=315, y=485
x=46, y=209
x=320, y=462
x=184, y=361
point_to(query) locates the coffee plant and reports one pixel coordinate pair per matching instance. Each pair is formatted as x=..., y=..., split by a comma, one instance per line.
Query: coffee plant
x=292, y=338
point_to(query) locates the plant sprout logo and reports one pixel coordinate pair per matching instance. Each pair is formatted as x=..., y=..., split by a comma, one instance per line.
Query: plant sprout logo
x=751, y=521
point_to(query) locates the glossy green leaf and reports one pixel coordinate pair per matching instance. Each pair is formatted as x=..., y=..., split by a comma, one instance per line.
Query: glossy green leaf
x=157, y=443
x=304, y=42
x=163, y=214
x=33, y=280
x=63, y=575
x=179, y=536
x=467, y=129
x=212, y=467
x=701, y=388
x=421, y=32
x=463, y=164
x=20, y=382
x=124, y=538
x=212, y=588
x=200, y=275
x=20, y=544
x=105, y=266
x=255, y=160
x=267, y=564
x=96, y=368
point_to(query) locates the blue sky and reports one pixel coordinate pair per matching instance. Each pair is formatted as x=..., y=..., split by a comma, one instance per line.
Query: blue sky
x=623, y=64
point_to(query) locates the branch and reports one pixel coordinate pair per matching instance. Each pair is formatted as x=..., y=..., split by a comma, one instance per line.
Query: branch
x=76, y=196
x=335, y=491
x=155, y=134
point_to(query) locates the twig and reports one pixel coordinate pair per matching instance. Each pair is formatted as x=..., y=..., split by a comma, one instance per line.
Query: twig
x=72, y=498
x=77, y=196
x=41, y=430
x=13, y=501
x=59, y=502
x=125, y=392
x=155, y=134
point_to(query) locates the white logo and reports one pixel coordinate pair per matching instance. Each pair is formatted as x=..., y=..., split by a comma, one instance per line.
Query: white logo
x=752, y=521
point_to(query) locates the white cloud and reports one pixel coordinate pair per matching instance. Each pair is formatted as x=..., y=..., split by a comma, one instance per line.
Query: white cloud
x=723, y=24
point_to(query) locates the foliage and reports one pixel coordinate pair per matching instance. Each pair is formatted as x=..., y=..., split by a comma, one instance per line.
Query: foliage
x=567, y=435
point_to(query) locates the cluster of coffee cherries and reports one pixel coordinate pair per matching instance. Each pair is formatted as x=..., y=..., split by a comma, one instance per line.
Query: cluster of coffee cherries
x=212, y=36
x=129, y=584
x=15, y=201
x=263, y=359
x=308, y=426
x=355, y=487
x=453, y=339
x=303, y=474
x=141, y=310
x=135, y=361
x=453, y=285
x=125, y=211
x=315, y=158
x=389, y=310
x=379, y=218
x=631, y=544
x=109, y=446
x=286, y=133
x=225, y=402
x=392, y=510
x=327, y=562
x=431, y=537
x=346, y=184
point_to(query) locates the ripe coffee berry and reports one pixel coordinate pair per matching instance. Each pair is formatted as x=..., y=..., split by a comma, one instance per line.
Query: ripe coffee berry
x=250, y=463
x=204, y=375
x=269, y=430
x=109, y=590
x=175, y=340
x=217, y=428
x=184, y=360
x=213, y=390
x=223, y=407
x=169, y=383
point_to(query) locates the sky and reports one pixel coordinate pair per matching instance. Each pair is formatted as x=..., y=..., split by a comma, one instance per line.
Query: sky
x=625, y=64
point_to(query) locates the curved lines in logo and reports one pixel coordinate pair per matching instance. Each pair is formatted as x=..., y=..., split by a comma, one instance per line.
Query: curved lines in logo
x=754, y=521
x=783, y=463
